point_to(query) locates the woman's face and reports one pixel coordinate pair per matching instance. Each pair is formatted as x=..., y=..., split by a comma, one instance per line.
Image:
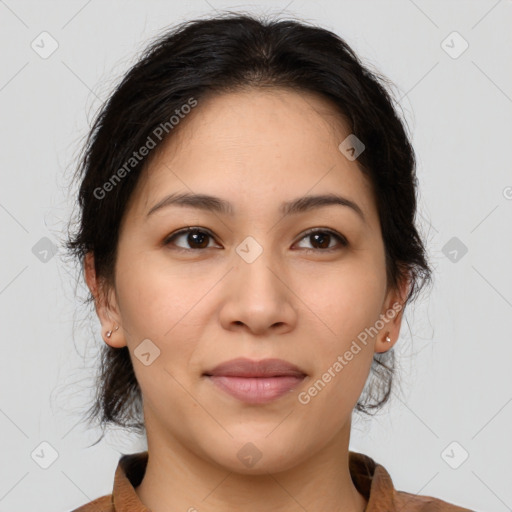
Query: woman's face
x=252, y=283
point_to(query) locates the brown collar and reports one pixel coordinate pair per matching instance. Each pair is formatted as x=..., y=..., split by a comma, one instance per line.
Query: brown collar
x=370, y=479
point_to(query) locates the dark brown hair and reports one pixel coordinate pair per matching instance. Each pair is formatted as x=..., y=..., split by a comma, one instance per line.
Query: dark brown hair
x=222, y=54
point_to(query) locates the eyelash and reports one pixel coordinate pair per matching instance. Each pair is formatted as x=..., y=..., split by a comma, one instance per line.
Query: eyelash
x=341, y=239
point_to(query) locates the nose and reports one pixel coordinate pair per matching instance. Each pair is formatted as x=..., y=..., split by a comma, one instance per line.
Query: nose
x=258, y=298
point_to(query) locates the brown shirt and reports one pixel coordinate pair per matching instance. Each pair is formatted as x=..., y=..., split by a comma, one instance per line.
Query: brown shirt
x=369, y=477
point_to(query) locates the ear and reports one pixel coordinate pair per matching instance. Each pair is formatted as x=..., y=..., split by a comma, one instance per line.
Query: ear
x=105, y=304
x=391, y=315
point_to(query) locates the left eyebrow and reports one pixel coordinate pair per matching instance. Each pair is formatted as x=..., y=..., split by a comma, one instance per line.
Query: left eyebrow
x=218, y=205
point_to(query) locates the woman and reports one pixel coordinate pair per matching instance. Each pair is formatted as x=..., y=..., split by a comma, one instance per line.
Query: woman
x=247, y=233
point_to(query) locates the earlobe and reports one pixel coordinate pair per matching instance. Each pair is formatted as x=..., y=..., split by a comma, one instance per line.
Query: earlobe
x=384, y=343
x=109, y=333
x=114, y=341
x=393, y=314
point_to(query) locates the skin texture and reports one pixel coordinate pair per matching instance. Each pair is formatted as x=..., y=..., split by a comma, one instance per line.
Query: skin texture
x=200, y=307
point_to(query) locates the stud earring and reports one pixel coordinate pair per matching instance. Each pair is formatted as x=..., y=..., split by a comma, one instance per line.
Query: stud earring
x=109, y=333
x=388, y=339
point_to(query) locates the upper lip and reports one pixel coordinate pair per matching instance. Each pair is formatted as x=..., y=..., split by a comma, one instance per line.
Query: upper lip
x=243, y=367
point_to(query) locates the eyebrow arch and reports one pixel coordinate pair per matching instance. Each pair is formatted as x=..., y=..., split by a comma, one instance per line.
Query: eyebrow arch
x=216, y=204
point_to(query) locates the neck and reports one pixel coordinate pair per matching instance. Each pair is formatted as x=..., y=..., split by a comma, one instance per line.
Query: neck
x=178, y=479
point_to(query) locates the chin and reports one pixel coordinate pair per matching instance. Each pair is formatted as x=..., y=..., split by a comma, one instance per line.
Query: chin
x=256, y=454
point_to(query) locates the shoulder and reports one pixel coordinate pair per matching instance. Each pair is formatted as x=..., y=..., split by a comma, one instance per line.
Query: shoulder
x=102, y=504
x=421, y=503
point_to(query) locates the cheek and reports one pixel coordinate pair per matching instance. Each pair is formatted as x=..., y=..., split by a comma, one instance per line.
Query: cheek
x=346, y=305
x=164, y=304
x=344, y=348
x=157, y=306
x=345, y=301
x=156, y=299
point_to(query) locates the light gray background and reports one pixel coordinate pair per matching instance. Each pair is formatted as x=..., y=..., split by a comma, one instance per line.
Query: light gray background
x=456, y=382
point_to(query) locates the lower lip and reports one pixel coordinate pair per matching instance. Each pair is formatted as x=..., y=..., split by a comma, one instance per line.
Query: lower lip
x=256, y=390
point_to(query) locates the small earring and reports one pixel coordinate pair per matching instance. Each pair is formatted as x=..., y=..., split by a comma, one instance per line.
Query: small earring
x=109, y=333
x=388, y=339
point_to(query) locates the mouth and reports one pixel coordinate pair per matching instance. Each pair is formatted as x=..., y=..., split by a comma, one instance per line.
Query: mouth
x=256, y=382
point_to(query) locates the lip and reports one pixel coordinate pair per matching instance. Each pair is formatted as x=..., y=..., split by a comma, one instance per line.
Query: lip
x=256, y=382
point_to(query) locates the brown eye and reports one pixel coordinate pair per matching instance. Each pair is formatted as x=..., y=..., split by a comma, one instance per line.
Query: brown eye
x=321, y=240
x=197, y=239
x=194, y=237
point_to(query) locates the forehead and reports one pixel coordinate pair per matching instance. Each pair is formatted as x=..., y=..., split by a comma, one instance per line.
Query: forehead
x=258, y=145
